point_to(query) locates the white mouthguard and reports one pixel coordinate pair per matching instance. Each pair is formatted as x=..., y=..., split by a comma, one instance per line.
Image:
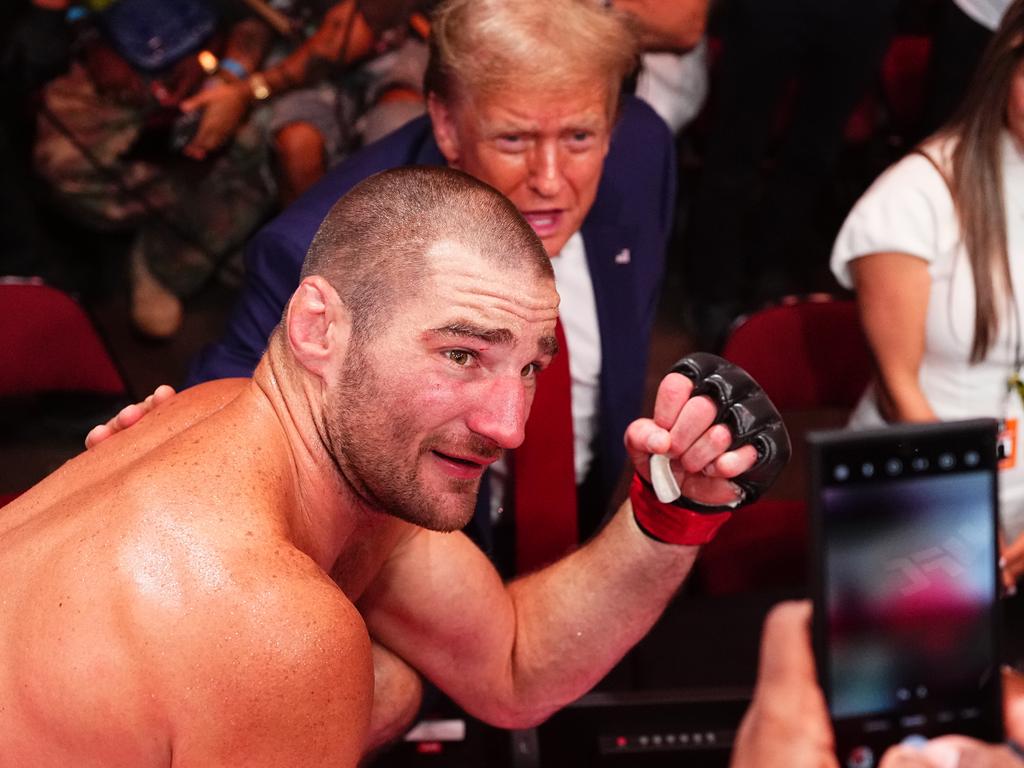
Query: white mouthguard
x=665, y=486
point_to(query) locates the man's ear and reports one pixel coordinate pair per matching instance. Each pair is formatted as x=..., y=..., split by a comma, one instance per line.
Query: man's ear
x=318, y=325
x=442, y=118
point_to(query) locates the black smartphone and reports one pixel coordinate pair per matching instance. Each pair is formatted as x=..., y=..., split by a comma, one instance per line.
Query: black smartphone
x=906, y=583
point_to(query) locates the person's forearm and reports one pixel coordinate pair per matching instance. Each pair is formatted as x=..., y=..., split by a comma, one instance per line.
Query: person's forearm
x=901, y=398
x=397, y=693
x=893, y=291
x=341, y=39
x=577, y=618
x=676, y=26
x=248, y=42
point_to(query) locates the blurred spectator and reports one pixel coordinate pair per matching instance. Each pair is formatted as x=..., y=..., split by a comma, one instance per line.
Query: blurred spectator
x=321, y=107
x=964, y=29
x=34, y=48
x=673, y=75
x=933, y=250
x=675, y=84
x=744, y=229
x=110, y=136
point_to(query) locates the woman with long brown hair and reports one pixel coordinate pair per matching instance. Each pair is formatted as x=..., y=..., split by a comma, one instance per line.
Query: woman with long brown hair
x=934, y=250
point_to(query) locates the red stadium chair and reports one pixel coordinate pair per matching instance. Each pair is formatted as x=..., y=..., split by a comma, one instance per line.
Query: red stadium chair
x=809, y=354
x=49, y=347
x=48, y=344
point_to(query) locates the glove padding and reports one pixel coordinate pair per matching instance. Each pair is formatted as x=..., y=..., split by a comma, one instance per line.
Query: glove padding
x=751, y=417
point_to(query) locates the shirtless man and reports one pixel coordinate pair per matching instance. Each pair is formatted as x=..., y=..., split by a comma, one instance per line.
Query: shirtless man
x=200, y=590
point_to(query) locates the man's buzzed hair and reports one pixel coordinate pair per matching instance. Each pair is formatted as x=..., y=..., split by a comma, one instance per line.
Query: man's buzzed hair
x=373, y=244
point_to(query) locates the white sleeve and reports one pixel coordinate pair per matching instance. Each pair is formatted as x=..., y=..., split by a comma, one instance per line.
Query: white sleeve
x=908, y=209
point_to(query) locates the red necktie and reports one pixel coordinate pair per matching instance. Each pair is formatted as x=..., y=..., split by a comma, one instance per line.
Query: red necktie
x=544, y=471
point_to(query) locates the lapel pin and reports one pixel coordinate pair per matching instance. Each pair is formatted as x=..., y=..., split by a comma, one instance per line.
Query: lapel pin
x=623, y=256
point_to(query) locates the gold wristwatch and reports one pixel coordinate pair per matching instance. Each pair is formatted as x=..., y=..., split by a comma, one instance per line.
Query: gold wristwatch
x=258, y=86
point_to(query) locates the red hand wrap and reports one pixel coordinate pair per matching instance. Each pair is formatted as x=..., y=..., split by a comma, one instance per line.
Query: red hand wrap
x=669, y=523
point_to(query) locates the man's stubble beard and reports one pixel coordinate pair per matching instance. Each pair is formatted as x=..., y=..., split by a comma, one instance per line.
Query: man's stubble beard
x=367, y=434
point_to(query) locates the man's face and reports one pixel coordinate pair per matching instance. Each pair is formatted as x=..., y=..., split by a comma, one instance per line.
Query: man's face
x=422, y=408
x=543, y=151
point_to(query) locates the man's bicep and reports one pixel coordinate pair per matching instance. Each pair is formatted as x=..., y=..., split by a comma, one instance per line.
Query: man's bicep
x=440, y=605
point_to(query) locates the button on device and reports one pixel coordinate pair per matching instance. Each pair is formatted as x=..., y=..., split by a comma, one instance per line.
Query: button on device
x=861, y=757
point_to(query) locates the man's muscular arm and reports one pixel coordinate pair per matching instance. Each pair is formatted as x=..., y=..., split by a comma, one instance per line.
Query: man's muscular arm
x=513, y=655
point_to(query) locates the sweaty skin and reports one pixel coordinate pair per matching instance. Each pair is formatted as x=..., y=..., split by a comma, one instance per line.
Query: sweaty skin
x=159, y=609
x=168, y=595
x=186, y=592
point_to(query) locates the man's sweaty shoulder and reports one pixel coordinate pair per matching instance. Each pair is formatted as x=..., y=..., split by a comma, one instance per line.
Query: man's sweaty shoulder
x=158, y=613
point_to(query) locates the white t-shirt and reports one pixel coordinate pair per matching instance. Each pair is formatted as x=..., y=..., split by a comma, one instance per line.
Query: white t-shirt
x=578, y=311
x=988, y=13
x=909, y=209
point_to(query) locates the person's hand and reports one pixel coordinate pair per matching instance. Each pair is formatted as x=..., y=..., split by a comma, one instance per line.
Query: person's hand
x=668, y=26
x=224, y=108
x=1011, y=563
x=1013, y=704
x=683, y=428
x=962, y=752
x=951, y=752
x=719, y=437
x=128, y=416
x=787, y=724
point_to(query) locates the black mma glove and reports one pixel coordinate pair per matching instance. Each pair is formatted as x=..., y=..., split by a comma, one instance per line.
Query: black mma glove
x=744, y=408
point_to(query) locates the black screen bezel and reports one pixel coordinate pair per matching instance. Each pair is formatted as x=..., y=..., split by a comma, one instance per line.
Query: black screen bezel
x=903, y=441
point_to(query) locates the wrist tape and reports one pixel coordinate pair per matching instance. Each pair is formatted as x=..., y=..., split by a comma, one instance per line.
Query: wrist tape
x=671, y=523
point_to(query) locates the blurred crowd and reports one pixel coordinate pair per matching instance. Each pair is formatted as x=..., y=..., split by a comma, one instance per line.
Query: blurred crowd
x=190, y=124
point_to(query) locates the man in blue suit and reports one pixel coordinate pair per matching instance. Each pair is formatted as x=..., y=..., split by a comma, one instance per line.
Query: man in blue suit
x=526, y=97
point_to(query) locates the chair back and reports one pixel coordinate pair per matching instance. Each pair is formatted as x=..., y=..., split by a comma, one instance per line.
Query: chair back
x=49, y=344
x=806, y=352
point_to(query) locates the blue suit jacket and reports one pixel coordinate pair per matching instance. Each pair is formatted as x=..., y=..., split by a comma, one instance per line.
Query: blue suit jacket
x=625, y=235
